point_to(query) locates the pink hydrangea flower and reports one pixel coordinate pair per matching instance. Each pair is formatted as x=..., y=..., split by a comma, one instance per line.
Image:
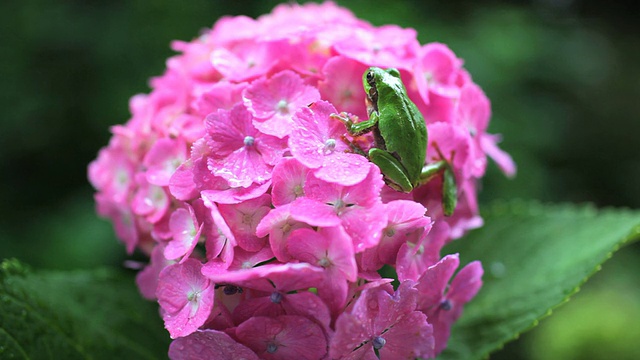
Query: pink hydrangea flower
x=185, y=297
x=209, y=344
x=273, y=102
x=283, y=337
x=317, y=142
x=240, y=153
x=443, y=303
x=265, y=224
x=385, y=323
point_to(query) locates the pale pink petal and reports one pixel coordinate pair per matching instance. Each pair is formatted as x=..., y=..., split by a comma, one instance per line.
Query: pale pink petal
x=163, y=159
x=147, y=279
x=186, y=233
x=342, y=85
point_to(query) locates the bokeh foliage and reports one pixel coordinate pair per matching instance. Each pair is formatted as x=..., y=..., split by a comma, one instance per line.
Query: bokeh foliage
x=562, y=77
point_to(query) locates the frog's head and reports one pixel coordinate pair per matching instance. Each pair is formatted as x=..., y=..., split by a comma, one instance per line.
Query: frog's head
x=375, y=77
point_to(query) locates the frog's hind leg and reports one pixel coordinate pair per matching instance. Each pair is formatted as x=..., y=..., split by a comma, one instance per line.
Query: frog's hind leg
x=395, y=174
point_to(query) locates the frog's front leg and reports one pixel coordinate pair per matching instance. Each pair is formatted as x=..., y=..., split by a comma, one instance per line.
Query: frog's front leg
x=395, y=175
x=357, y=128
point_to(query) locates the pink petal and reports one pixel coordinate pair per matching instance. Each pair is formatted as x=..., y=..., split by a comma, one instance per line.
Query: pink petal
x=221, y=95
x=502, y=159
x=313, y=213
x=147, y=279
x=288, y=181
x=343, y=168
x=273, y=101
x=185, y=296
x=243, y=218
x=224, y=194
x=181, y=183
x=279, y=224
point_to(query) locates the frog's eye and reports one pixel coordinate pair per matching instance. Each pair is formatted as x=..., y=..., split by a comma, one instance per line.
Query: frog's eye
x=370, y=77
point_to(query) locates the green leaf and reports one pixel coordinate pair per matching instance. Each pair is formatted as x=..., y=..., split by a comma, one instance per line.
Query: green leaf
x=535, y=257
x=96, y=314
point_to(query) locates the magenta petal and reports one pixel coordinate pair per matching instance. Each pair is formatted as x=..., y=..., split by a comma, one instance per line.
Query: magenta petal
x=410, y=338
x=271, y=277
x=209, y=344
x=364, y=225
x=467, y=283
x=284, y=337
x=433, y=282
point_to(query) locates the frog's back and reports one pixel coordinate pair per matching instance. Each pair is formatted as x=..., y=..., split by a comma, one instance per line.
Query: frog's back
x=410, y=135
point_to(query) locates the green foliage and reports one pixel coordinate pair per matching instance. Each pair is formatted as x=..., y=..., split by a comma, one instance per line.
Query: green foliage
x=96, y=314
x=535, y=257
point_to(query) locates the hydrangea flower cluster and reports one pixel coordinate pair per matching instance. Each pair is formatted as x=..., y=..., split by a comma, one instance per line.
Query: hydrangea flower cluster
x=266, y=232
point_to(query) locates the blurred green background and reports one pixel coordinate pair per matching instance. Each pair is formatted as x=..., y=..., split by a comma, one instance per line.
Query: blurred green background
x=563, y=77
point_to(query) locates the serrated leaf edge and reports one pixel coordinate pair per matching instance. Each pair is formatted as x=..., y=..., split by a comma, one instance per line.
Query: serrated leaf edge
x=634, y=235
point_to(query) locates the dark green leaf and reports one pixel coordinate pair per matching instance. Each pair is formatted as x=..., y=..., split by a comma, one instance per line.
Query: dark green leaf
x=96, y=314
x=535, y=257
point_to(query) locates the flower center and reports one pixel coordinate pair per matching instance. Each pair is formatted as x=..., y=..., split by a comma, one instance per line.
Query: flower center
x=272, y=348
x=378, y=342
x=231, y=290
x=324, y=262
x=283, y=107
x=446, y=305
x=389, y=232
x=275, y=297
x=329, y=146
x=249, y=140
